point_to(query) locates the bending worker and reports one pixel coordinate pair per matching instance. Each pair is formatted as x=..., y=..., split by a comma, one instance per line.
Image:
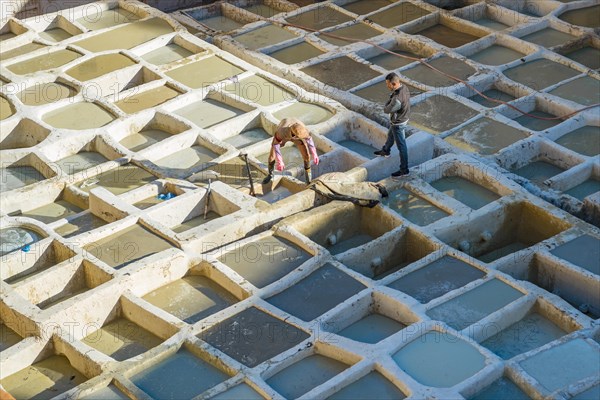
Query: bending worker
x=292, y=129
x=398, y=106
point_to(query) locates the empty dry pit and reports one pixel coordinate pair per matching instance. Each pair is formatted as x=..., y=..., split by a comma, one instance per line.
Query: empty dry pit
x=540, y=325
x=46, y=256
x=61, y=284
x=388, y=254
x=340, y=227
x=487, y=241
x=578, y=289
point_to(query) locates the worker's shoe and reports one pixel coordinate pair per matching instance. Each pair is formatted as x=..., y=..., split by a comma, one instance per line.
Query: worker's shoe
x=269, y=176
x=307, y=176
x=267, y=179
x=382, y=153
x=400, y=173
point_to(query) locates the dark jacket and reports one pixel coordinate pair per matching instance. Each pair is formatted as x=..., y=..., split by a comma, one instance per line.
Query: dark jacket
x=398, y=106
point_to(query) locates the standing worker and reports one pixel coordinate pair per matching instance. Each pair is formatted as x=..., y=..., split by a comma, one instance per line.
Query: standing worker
x=292, y=129
x=398, y=106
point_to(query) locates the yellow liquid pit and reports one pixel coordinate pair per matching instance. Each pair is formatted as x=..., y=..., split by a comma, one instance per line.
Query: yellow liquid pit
x=6, y=109
x=8, y=337
x=308, y=113
x=191, y=298
x=78, y=116
x=44, y=62
x=328, y=72
x=187, y=158
x=120, y=180
x=447, y=36
x=485, y=136
x=53, y=211
x=166, y=54
x=263, y=37
x=143, y=139
x=126, y=37
x=362, y=7
x=259, y=90
x=208, y=112
x=398, y=15
x=149, y=98
x=122, y=339
x=204, y=72
x=98, y=66
x=296, y=53
x=95, y=19
x=28, y=48
x=45, y=93
x=127, y=246
x=357, y=31
x=319, y=18
x=44, y=379
x=55, y=34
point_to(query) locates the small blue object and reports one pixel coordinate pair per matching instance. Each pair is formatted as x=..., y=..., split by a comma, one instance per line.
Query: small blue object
x=26, y=248
x=162, y=196
x=169, y=195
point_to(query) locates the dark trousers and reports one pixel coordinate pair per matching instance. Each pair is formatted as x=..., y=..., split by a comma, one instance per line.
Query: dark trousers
x=396, y=133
